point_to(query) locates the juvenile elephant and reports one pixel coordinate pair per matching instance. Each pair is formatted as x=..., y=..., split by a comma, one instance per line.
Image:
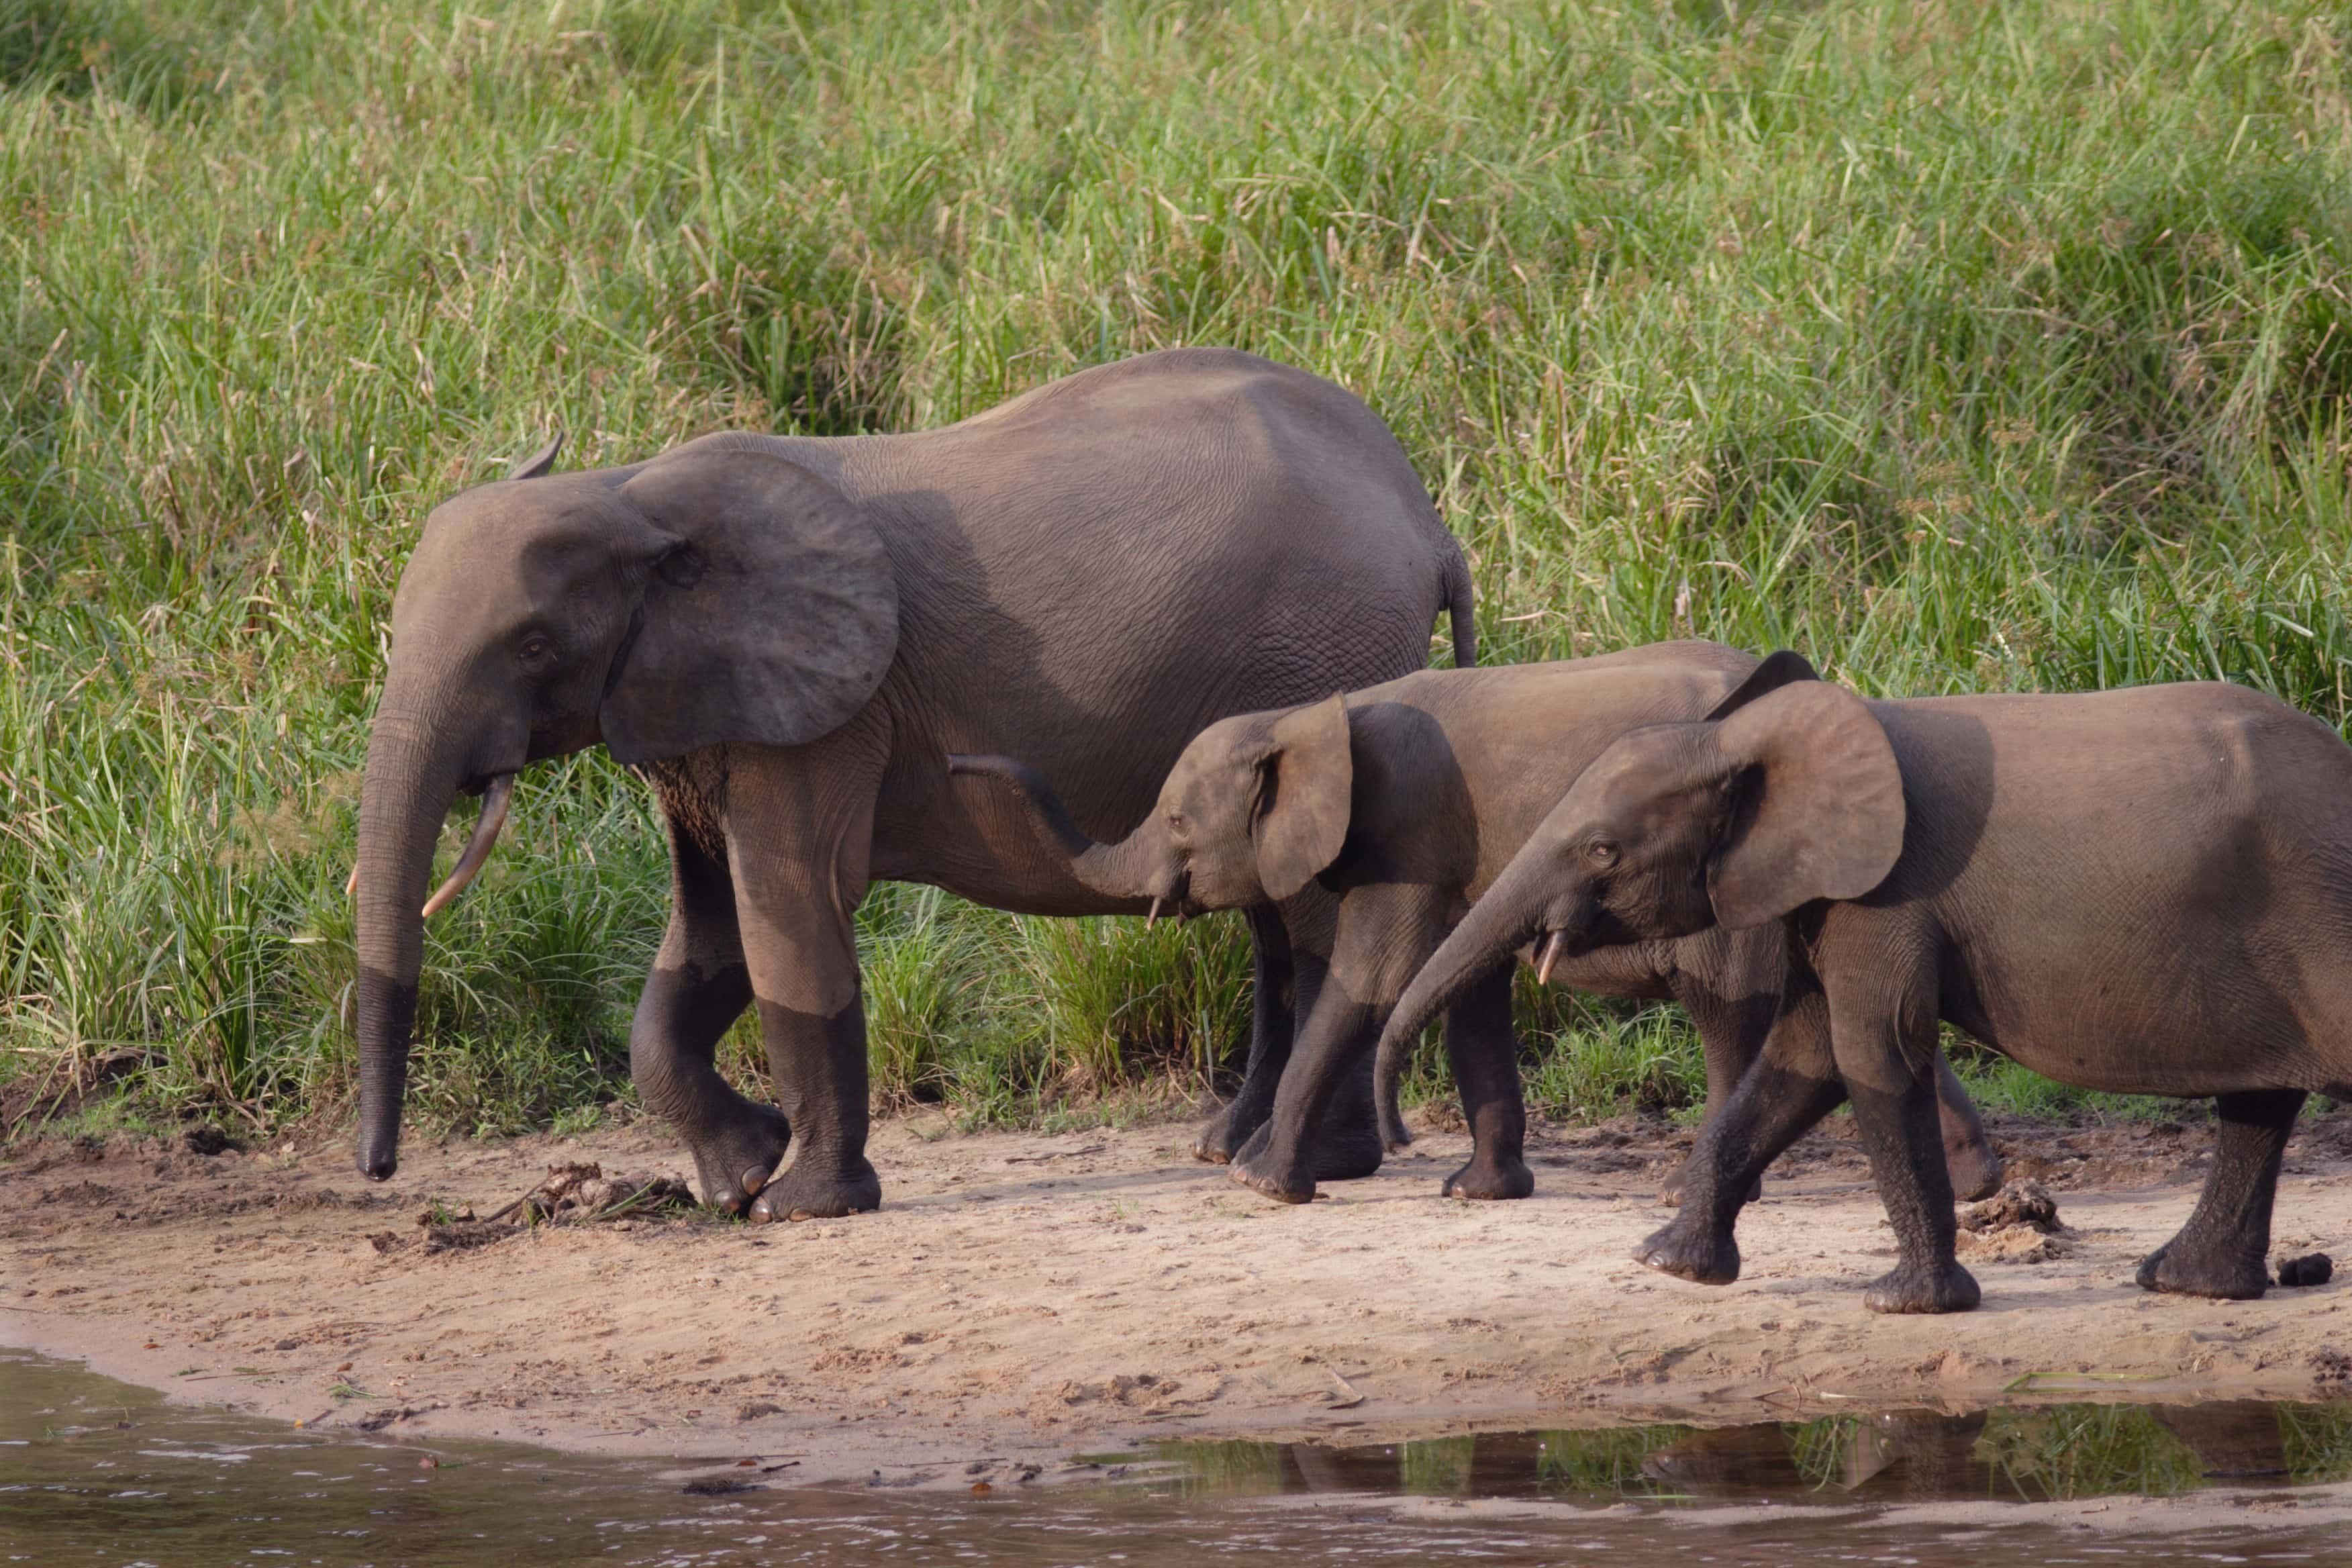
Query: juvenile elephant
x=2147, y=890
x=1405, y=801
x=786, y=635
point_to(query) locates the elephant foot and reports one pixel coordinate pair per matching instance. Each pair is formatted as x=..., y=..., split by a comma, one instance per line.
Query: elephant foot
x=1701, y=1259
x=1490, y=1182
x=1347, y=1156
x=1943, y=1287
x=733, y=1162
x=2187, y=1269
x=826, y=1192
x=1222, y=1138
x=1975, y=1169
x=1284, y=1184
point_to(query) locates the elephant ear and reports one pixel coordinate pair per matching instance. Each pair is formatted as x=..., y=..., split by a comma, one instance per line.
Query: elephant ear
x=1779, y=669
x=1304, y=781
x=771, y=619
x=540, y=464
x=1817, y=803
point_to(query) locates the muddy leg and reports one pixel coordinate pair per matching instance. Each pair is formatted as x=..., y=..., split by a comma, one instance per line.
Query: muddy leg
x=698, y=987
x=2224, y=1249
x=800, y=826
x=1729, y=983
x=1273, y=994
x=1480, y=1043
x=1793, y=1085
x=1335, y=1036
x=1882, y=1028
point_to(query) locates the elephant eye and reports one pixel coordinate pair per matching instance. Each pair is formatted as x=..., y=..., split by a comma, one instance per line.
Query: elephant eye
x=535, y=648
x=1601, y=852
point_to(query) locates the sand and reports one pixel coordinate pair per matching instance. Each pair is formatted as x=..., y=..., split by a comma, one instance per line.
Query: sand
x=1027, y=1296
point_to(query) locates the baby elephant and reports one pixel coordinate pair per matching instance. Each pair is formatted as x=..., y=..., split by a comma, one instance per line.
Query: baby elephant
x=2146, y=890
x=1371, y=822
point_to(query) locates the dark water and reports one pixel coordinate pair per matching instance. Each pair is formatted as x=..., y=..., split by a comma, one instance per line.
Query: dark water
x=94, y=1471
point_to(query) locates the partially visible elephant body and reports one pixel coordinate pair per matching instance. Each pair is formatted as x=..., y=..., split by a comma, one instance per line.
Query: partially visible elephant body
x=1374, y=822
x=2146, y=890
x=789, y=634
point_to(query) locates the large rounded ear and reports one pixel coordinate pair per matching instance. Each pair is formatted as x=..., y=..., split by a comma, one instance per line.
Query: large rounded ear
x=1817, y=803
x=771, y=621
x=1304, y=781
x=1784, y=667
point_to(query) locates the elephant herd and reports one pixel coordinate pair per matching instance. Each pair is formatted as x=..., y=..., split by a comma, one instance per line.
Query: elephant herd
x=1151, y=640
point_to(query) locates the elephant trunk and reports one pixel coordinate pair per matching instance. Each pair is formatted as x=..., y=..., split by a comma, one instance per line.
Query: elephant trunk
x=412, y=777
x=1489, y=934
x=1121, y=871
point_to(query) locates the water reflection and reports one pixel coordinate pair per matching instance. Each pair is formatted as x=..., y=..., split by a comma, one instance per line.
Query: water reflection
x=98, y=1472
x=2048, y=1453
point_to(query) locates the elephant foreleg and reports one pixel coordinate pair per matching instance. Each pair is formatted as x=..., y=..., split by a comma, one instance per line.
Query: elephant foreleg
x=1324, y=1094
x=1272, y=995
x=1793, y=1085
x=800, y=828
x=1483, y=1047
x=698, y=987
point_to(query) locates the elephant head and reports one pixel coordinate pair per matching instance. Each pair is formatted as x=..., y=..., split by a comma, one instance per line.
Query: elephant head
x=717, y=594
x=1788, y=792
x=1255, y=809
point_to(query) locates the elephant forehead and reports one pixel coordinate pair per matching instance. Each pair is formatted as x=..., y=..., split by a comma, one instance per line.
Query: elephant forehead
x=502, y=537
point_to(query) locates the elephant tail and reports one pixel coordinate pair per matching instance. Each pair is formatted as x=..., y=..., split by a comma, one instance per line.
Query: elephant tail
x=1458, y=610
x=1387, y=1075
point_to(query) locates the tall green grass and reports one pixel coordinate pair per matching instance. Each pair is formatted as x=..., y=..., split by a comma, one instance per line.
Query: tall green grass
x=1959, y=346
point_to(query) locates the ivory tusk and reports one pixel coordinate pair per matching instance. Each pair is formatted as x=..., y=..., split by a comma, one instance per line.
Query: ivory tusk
x=1547, y=958
x=1153, y=918
x=351, y=884
x=477, y=848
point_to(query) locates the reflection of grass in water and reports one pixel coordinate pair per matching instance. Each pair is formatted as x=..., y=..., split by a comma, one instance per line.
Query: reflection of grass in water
x=1608, y=1459
x=1226, y=1468
x=1437, y=1464
x=2085, y=1450
x=2318, y=1442
x=1818, y=1448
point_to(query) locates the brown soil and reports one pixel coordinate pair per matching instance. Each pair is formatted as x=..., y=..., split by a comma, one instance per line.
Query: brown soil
x=1031, y=1296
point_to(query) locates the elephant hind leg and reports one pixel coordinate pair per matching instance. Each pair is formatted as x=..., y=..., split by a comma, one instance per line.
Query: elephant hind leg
x=1969, y=1157
x=2224, y=1249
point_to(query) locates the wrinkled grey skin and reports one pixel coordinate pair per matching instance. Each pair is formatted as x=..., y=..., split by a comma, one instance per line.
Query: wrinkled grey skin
x=2145, y=892
x=1405, y=801
x=787, y=634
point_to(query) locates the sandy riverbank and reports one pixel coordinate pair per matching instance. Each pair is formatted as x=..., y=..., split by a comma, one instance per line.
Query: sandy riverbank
x=1029, y=1296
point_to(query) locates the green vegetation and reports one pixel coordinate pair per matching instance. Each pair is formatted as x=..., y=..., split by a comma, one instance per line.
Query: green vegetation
x=1958, y=346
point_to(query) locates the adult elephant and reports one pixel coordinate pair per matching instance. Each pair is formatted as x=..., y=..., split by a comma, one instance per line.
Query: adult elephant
x=788, y=635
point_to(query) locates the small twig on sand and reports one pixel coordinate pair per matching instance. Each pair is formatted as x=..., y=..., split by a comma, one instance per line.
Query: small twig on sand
x=1353, y=1399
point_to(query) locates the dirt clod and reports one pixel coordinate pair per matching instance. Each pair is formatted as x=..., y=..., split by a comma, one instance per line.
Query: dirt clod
x=2026, y=1203
x=2312, y=1269
x=718, y=1486
x=208, y=1141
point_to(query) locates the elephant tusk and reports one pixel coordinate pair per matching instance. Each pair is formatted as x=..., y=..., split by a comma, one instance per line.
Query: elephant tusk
x=1547, y=958
x=1153, y=918
x=351, y=883
x=477, y=848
